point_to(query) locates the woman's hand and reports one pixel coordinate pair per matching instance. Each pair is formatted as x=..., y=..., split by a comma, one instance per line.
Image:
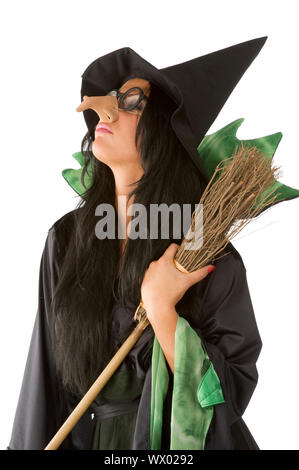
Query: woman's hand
x=164, y=285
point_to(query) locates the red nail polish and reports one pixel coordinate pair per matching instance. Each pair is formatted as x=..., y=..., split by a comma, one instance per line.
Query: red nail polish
x=210, y=269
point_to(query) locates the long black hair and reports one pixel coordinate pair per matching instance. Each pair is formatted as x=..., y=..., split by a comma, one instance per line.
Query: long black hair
x=84, y=294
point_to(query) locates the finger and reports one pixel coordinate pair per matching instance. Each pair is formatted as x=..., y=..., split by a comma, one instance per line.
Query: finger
x=200, y=274
x=171, y=251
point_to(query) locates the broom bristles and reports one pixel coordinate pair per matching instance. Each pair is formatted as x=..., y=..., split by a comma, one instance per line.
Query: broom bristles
x=237, y=192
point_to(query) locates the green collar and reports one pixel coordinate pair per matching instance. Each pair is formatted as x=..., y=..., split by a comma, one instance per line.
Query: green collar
x=212, y=150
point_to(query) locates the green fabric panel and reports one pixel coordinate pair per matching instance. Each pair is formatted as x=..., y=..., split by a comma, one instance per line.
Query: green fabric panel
x=193, y=372
x=115, y=433
x=159, y=387
x=189, y=421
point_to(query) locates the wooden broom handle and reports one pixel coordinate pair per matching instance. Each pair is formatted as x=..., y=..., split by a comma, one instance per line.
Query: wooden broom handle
x=97, y=386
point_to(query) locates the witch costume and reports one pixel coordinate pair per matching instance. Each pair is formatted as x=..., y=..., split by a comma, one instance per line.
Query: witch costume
x=144, y=405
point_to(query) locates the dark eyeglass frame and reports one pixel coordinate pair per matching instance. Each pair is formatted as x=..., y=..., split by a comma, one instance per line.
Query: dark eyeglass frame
x=122, y=96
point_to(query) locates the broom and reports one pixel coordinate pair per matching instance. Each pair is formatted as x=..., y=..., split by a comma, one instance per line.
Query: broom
x=240, y=188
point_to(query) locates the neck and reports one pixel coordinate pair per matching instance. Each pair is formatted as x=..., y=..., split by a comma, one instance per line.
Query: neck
x=124, y=178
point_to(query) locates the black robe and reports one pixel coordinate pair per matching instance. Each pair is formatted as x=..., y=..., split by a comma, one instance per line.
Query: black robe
x=226, y=326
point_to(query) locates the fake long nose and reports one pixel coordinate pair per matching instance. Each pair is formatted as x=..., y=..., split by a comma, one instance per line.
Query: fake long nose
x=106, y=107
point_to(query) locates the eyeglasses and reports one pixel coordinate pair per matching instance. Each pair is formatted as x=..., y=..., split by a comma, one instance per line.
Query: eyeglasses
x=131, y=99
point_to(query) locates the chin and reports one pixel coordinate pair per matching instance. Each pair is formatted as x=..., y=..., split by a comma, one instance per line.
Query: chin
x=101, y=158
x=97, y=150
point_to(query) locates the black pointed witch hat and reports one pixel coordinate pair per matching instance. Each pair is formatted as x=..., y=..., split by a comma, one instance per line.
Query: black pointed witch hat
x=199, y=87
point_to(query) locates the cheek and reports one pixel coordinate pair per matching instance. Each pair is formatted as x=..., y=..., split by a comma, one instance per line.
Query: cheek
x=127, y=130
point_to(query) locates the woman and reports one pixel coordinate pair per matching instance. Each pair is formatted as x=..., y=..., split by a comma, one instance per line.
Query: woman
x=89, y=290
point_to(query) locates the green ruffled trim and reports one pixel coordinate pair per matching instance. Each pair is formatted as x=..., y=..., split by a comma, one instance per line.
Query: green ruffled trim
x=196, y=389
x=209, y=392
x=212, y=150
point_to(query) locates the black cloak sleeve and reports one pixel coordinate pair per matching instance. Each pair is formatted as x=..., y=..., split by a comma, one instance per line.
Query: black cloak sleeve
x=230, y=335
x=221, y=314
x=43, y=406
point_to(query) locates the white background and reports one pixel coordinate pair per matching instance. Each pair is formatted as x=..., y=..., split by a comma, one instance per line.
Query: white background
x=45, y=47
